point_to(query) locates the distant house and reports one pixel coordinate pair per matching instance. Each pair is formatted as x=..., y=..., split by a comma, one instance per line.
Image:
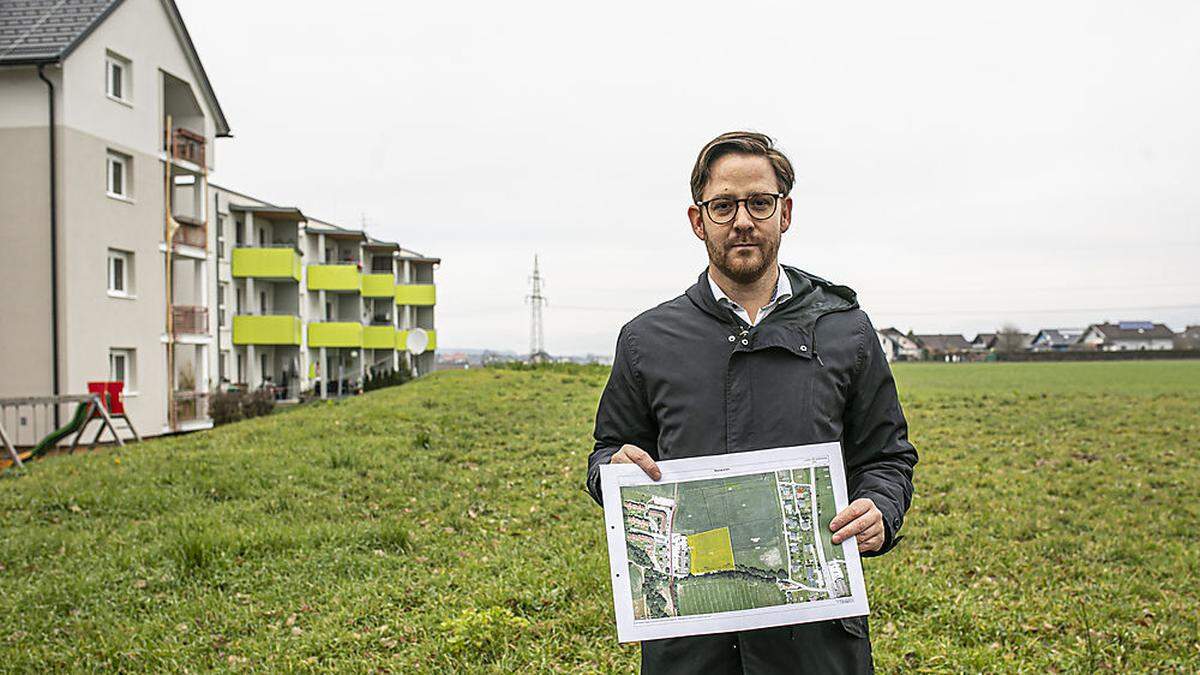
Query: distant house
x=1189, y=338
x=898, y=346
x=943, y=347
x=1055, y=339
x=1127, y=336
x=1002, y=342
x=983, y=342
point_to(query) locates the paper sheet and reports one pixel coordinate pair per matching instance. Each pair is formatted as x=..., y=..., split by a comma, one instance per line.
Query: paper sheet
x=730, y=542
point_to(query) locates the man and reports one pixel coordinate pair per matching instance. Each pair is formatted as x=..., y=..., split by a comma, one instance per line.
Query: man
x=757, y=355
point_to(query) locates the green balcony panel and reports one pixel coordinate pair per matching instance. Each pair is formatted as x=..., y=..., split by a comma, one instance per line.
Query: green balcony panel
x=402, y=340
x=416, y=294
x=334, y=278
x=335, y=334
x=379, y=337
x=378, y=285
x=266, y=263
x=266, y=330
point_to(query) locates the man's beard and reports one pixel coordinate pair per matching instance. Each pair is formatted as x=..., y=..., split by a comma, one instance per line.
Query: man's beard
x=739, y=267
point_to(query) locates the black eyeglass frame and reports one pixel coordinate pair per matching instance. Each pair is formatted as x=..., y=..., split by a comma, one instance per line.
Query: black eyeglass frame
x=738, y=203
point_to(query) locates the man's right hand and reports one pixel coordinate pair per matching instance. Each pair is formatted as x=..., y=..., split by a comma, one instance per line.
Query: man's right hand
x=632, y=454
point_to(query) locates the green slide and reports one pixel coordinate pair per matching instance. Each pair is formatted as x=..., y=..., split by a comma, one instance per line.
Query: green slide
x=57, y=435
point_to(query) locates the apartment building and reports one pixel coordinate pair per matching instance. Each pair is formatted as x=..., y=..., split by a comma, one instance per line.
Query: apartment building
x=307, y=305
x=121, y=262
x=104, y=240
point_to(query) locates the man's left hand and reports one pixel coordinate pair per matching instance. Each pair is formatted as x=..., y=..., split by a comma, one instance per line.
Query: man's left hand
x=860, y=518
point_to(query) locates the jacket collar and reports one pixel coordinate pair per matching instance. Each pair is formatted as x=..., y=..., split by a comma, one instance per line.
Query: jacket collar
x=812, y=297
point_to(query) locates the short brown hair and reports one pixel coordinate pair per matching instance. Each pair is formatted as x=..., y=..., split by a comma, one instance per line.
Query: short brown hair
x=744, y=143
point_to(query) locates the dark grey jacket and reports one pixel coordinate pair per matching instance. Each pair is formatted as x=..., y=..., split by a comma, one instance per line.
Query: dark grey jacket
x=691, y=378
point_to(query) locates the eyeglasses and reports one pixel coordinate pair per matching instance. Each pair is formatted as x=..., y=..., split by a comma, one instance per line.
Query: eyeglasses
x=760, y=206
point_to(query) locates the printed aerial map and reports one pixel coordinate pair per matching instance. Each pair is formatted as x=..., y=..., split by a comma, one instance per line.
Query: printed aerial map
x=726, y=544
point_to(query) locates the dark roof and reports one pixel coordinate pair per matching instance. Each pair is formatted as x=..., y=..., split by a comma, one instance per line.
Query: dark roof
x=34, y=31
x=1060, y=336
x=942, y=343
x=1133, y=330
x=47, y=31
x=983, y=338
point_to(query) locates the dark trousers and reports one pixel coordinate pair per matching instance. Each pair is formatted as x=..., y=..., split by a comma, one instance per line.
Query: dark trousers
x=838, y=646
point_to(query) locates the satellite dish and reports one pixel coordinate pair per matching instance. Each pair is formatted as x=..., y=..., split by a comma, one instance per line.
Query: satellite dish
x=417, y=341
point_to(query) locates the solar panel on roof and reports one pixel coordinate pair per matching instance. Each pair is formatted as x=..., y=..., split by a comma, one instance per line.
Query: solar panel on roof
x=1135, y=325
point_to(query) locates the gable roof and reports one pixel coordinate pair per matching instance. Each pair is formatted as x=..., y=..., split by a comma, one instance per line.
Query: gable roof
x=1132, y=330
x=36, y=32
x=943, y=343
x=33, y=31
x=1059, y=336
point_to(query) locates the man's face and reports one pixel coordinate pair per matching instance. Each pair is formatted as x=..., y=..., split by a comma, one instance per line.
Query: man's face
x=744, y=248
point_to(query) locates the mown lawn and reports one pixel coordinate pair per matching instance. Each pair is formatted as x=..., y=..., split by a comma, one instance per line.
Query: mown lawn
x=442, y=526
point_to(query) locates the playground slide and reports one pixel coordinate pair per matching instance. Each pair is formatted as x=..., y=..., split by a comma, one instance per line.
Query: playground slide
x=76, y=423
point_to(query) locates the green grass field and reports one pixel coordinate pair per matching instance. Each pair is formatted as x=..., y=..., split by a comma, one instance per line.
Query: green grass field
x=442, y=526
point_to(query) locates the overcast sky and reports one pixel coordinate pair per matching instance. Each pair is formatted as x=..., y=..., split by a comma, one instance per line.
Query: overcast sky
x=959, y=164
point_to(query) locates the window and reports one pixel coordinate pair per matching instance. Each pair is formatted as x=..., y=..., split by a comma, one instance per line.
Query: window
x=118, y=175
x=120, y=273
x=122, y=367
x=221, y=236
x=222, y=293
x=262, y=302
x=223, y=367
x=116, y=77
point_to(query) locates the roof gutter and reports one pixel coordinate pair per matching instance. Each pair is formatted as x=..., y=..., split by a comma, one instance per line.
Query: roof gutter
x=53, y=236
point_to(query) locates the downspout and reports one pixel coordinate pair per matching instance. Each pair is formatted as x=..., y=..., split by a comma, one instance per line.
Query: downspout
x=53, y=239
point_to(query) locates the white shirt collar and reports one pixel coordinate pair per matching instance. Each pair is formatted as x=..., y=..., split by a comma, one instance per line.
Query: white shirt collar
x=783, y=291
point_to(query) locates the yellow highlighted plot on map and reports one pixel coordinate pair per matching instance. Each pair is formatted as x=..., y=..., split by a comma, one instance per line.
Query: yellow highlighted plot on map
x=712, y=551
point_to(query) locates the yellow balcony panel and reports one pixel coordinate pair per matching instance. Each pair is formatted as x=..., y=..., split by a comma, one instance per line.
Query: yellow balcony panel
x=266, y=263
x=266, y=330
x=335, y=334
x=416, y=294
x=402, y=340
x=334, y=278
x=378, y=285
x=379, y=337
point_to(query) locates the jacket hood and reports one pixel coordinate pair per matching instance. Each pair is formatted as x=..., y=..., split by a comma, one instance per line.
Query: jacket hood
x=812, y=297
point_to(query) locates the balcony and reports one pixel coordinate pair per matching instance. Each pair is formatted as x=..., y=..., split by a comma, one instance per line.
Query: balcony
x=187, y=145
x=345, y=277
x=279, y=329
x=335, y=334
x=190, y=235
x=423, y=295
x=402, y=340
x=379, y=337
x=190, y=406
x=277, y=262
x=189, y=320
x=378, y=285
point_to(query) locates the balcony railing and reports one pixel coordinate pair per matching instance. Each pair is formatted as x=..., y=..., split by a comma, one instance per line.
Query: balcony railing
x=190, y=235
x=187, y=145
x=273, y=329
x=189, y=320
x=266, y=262
x=335, y=334
x=190, y=406
x=341, y=277
x=420, y=295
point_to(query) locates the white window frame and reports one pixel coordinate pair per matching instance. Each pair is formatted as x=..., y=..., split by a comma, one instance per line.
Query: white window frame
x=126, y=94
x=130, y=367
x=124, y=162
x=126, y=258
x=222, y=305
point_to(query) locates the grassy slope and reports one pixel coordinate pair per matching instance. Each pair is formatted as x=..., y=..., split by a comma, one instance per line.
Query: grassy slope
x=443, y=524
